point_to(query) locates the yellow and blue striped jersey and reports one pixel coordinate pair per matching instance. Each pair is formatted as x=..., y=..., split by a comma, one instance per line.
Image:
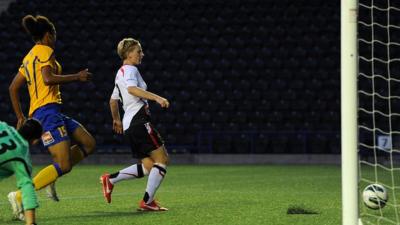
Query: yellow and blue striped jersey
x=40, y=94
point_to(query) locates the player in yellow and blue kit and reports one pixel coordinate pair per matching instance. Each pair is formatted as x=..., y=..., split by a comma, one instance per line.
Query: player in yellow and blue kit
x=15, y=160
x=41, y=72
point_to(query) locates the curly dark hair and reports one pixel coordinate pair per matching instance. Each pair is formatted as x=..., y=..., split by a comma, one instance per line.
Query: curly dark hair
x=38, y=26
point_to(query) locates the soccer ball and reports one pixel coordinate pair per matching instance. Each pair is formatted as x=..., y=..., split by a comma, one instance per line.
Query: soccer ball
x=375, y=196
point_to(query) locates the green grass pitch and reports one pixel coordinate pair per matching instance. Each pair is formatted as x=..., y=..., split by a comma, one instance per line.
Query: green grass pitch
x=195, y=195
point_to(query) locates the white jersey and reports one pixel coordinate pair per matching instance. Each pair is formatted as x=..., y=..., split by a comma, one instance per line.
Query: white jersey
x=128, y=76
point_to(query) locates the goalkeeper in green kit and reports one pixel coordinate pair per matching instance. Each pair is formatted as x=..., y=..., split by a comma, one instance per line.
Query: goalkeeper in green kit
x=15, y=159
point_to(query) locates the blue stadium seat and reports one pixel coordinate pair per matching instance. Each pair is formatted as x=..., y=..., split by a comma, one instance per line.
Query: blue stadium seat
x=217, y=74
x=222, y=145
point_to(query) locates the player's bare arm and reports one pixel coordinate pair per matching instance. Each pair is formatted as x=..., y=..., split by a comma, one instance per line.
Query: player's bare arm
x=15, y=85
x=139, y=92
x=117, y=124
x=50, y=78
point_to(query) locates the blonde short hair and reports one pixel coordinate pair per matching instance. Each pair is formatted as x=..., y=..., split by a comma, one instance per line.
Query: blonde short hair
x=125, y=46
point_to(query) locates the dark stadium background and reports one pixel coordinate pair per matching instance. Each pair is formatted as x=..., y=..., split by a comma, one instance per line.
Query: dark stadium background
x=256, y=76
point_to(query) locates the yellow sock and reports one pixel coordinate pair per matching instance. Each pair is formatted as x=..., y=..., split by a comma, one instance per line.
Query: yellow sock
x=76, y=155
x=18, y=196
x=47, y=176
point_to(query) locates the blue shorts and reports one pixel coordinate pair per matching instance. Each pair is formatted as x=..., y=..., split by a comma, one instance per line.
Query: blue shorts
x=57, y=127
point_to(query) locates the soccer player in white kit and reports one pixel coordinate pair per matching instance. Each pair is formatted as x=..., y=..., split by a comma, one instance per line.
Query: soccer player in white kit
x=146, y=143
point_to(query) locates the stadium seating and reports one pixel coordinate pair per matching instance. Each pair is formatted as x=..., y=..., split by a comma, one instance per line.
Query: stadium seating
x=235, y=66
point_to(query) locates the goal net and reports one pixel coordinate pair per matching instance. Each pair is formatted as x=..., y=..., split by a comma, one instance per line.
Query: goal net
x=379, y=105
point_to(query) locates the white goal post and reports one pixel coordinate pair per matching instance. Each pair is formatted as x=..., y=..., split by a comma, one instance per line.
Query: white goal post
x=349, y=139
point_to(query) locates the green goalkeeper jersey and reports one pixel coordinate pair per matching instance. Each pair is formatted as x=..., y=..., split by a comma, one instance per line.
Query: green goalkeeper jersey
x=15, y=160
x=13, y=146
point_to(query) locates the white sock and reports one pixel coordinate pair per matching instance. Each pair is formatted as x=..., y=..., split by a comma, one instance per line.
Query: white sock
x=131, y=172
x=156, y=176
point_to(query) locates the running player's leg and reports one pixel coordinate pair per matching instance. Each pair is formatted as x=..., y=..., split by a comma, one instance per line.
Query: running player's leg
x=132, y=172
x=147, y=163
x=138, y=170
x=56, y=140
x=47, y=176
x=85, y=146
x=153, y=146
x=157, y=173
x=85, y=143
x=62, y=165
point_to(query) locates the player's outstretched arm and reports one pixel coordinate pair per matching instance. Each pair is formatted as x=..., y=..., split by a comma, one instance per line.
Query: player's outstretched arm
x=117, y=124
x=50, y=78
x=16, y=84
x=141, y=93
